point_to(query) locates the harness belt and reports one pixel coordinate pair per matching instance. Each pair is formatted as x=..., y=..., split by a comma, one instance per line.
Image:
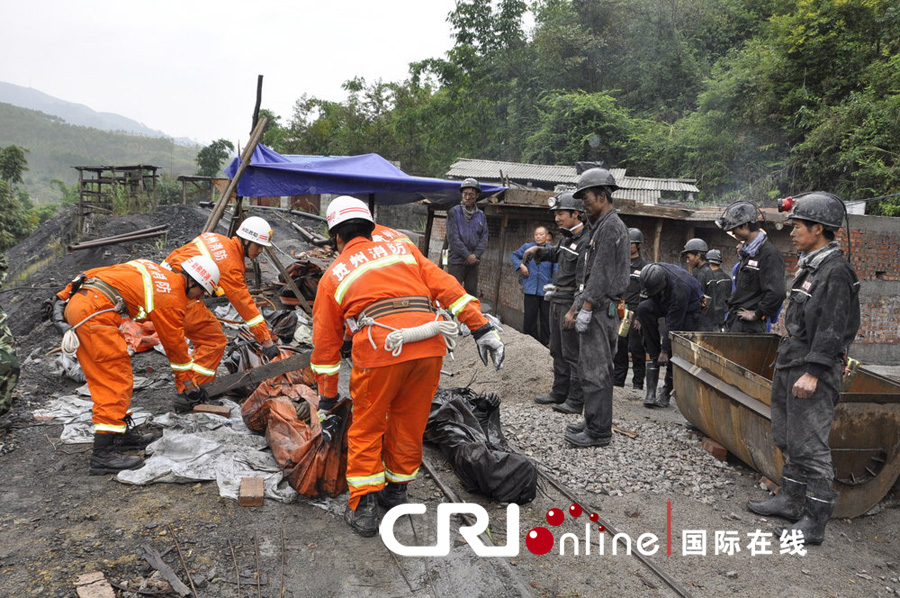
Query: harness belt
x=108, y=291
x=398, y=336
x=397, y=305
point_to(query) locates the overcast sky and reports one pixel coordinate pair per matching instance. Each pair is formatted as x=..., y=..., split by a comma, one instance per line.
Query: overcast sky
x=189, y=67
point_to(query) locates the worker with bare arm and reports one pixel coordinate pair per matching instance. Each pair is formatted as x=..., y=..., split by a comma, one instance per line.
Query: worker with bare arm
x=467, y=236
x=759, y=283
x=385, y=293
x=604, y=282
x=672, y=293
x=200, y=325
x=566, y=395
x=822, y=320
x=89, y=311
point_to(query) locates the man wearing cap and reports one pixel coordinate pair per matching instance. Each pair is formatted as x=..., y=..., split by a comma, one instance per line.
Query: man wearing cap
x=759, y=282
x=566, y=395
x=603, y=284
x=694, y=256
x=718, y=288
x=632, y=343
x=822, y=320
x=672, y=293
x=467, y=237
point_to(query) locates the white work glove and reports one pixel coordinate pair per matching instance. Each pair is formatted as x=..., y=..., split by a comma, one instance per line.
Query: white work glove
x=489, y=344
x=582, y=320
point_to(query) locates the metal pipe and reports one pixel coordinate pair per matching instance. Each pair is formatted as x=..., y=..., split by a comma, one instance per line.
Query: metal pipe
x=115, y=241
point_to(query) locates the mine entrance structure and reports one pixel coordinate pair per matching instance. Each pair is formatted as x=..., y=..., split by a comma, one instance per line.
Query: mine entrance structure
x=99, y=186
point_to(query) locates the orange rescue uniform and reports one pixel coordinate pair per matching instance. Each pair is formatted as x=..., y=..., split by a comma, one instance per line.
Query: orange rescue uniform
x=391, y=394
x=149, y=292
x=200, y=325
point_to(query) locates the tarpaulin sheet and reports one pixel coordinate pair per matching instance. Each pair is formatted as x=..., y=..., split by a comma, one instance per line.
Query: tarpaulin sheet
x=272, y=174
x=466, y=427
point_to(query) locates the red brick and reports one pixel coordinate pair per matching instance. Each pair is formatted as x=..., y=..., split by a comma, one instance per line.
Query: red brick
x=213, y=409
x=714, y=448
x=252, y=492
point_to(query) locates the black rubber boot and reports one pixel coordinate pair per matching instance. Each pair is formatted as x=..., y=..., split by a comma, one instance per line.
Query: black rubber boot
x=363, y=520
x=819, y=506
x=108, y=458
x=787, y=504
x=664, y=396
x=576, y=427
x=549, y=399
x=132, y=440
x=584, y=439
x=569, y=407
x=652, y=381
x=392, y=495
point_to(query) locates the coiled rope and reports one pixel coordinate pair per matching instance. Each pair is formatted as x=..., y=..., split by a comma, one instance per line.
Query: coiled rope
x=70, y=342
x=395, y=340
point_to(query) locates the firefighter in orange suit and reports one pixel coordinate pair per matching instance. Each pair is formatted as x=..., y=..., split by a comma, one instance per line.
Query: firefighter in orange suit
x=200, y=325
x=89, y=311
x=385, y=292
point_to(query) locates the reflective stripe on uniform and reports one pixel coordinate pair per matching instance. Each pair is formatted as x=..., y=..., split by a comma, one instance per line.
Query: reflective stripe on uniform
x=181, y=367
x=118, y=429
x=202, y=370
x=326, y=369
x=399, y=477
x=203, y=248
x=458, y=305
x=255, y=321
x=144, y=310
x=366, y=480
x=382, y=262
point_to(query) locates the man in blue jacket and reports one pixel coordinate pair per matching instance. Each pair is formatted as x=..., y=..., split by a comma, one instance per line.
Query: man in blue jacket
x=467, y=237
x=534, y=276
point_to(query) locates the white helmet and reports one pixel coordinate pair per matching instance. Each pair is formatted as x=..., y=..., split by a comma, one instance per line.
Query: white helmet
x=344, y=208
x=204, y=271
x=257, y=230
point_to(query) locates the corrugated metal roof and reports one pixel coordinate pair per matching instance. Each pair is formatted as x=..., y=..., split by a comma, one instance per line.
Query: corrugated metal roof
x=645, y=196
x=491, y=169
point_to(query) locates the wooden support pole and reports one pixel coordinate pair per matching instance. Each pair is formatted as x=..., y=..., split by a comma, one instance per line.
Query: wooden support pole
x=500, y=262
x=429, y=225
x=217, y=212
x=290, y=281
x=659, y=225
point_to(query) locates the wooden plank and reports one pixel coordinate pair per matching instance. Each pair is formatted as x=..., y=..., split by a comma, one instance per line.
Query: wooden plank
x=213, y=410
x=156, y=561
x=290, y=281
x=220, y=386
x=252, y=492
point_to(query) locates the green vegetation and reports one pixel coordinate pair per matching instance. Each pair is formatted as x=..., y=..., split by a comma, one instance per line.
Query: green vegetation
x=754, y=98
x=209, y=159
x=54, y=147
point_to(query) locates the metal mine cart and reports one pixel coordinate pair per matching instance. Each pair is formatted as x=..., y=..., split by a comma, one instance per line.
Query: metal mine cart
x=722, y=386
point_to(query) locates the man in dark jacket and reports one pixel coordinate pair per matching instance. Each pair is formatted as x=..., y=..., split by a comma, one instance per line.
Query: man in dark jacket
x=670, y=292
x=822, y=320
x=566, y=396
x=694, y=256
x=604, y=282
x=718, y=289
x=534, y=277
x=467, y=237
x=759, y=283
x=632, y=342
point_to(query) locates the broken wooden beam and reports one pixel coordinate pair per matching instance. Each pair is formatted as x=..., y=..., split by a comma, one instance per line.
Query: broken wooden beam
x=213, y=410
x=156, y=561
x=220, y=386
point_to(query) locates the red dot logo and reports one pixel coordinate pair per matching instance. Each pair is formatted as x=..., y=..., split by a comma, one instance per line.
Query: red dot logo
x=539, y=540
x=594, y=517
x=602, y=528
x=575, y=510
x=555, y=517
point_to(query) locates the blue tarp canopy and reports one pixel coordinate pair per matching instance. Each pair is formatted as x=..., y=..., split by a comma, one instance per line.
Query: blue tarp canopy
x=273, y=174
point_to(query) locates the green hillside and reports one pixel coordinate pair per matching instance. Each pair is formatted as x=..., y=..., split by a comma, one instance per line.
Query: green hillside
x=55, y=147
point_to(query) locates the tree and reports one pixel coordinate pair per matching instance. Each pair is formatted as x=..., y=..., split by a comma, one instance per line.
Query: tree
x=13, y=164
x=210, y=158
